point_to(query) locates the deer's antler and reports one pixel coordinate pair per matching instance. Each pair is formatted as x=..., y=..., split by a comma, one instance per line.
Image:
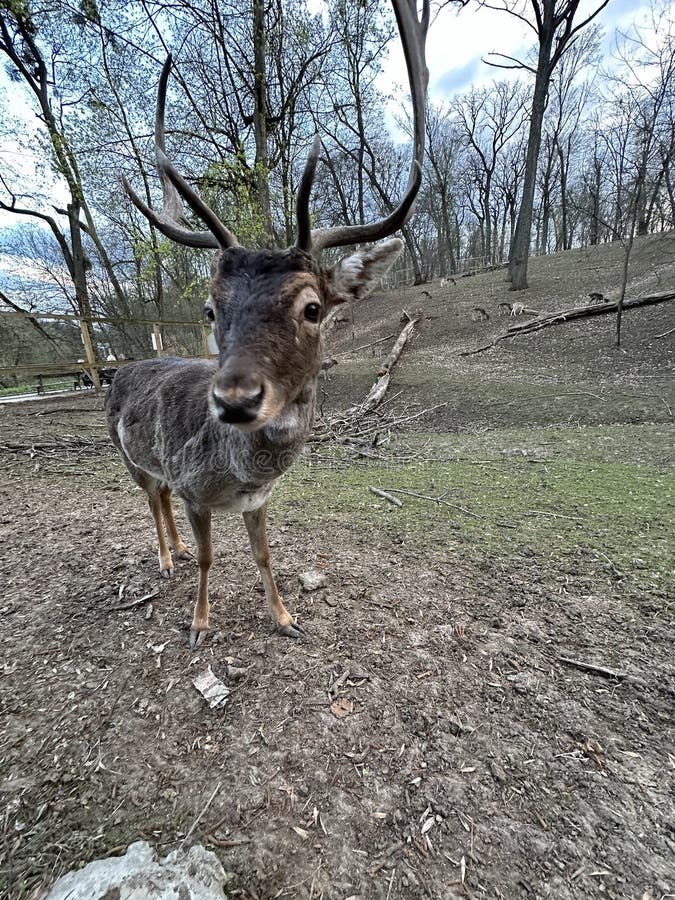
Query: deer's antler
x=413, y=33
x=174, y=187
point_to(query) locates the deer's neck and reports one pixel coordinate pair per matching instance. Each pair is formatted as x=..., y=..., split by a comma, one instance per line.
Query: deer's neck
x=256, y=458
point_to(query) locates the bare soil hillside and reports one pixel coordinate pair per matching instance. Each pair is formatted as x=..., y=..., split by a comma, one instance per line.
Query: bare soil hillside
x=537, y=367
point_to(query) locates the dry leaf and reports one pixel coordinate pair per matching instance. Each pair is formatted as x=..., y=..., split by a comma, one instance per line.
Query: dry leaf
x=342, y=707
x=301, y=831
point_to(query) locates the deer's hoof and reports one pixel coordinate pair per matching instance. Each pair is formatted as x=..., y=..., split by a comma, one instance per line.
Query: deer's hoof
x=166, y=571
x=181, y=552
x=292, y=630
x=197, y=636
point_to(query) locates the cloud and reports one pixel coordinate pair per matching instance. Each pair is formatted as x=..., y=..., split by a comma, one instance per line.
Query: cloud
x=620, y=10
x=456, y=79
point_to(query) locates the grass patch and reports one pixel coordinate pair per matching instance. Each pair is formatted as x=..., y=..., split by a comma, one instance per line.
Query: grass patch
x=637, y=444
x=472, y=401
x=588, y=511
x=17, y=389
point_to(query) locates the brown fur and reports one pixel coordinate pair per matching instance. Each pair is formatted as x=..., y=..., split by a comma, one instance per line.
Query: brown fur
x=220, y=435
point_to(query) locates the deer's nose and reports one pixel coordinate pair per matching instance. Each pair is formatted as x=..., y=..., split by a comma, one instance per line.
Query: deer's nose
x=238, y=396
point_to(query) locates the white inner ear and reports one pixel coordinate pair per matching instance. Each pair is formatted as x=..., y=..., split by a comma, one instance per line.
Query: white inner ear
x=355, y=276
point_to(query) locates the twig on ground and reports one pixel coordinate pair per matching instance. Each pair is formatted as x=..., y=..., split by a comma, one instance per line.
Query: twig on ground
x=602, y=670
x=541, y=512
x=131, y=603
x=201, y=814
x=382, y=862
x=227, y=842
x=440, y=500
x=337, y=684
x=385, y=496
x=365, y=346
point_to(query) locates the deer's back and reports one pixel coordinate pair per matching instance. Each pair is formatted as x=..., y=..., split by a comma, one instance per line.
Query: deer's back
x=157, y=415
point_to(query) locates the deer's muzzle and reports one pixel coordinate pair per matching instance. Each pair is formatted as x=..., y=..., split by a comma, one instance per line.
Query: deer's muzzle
x=238, y=395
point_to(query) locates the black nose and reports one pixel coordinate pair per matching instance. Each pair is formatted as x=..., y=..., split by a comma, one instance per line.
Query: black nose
x=237, y=399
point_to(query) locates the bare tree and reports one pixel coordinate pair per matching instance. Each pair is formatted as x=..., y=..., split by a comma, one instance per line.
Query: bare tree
x=439, y=197
x=489, y=118
x=552, y=21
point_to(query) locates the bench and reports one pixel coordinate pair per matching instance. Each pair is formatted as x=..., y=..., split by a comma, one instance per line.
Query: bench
x=80, y=378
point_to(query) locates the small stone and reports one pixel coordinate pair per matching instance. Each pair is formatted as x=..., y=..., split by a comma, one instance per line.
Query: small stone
x=498, y=773
x=312, y=581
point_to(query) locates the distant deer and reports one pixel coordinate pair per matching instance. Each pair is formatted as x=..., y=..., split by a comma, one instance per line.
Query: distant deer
x=220, y=434
x=519, y=309
x=478, y=314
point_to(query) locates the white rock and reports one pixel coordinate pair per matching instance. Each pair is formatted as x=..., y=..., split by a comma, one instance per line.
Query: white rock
x=312, y=581
x=195, y=874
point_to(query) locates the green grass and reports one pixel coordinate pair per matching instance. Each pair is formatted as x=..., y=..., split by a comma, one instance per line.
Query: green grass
x=598, y=503
x=479, y=400
x=17, y=389
x=638, y=444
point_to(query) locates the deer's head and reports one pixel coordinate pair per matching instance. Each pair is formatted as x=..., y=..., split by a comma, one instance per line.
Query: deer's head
x=267, y=306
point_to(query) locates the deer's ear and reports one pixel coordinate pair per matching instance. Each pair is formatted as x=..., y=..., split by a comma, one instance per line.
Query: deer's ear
x=355, y=276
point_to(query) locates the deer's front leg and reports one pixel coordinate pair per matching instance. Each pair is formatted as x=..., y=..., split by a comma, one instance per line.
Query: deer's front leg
x=200, y=522
x=256, y=525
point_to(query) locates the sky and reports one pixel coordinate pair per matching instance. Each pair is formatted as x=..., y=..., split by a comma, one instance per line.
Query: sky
x=457, y=43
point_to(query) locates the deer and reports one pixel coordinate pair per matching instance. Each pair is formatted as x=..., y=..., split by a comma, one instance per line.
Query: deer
x=220, y=433
x=478, y=314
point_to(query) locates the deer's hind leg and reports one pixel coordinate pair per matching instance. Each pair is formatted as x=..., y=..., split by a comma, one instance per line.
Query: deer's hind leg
x=177, y=545
x=152, y=487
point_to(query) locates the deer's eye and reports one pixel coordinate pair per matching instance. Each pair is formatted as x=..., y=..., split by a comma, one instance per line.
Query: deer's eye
x=312, y=312
x=209, y=313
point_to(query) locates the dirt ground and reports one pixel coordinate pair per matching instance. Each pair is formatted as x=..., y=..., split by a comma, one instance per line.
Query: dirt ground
x=466, y=758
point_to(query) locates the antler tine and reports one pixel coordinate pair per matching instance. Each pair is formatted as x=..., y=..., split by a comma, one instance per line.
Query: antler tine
x=304, y=239
x=174, y=187
x=413, y=33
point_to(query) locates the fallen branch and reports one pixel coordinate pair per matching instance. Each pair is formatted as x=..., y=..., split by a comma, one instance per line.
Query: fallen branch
x=379, y=389
x=566, y=315
x=385, y=496
x=440, y=500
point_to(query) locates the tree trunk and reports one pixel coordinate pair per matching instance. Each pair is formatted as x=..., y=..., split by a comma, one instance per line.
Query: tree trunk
x=594, y=230
x=260, y=120
x=418, y=277
x=520, y=245
x=564, y=224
